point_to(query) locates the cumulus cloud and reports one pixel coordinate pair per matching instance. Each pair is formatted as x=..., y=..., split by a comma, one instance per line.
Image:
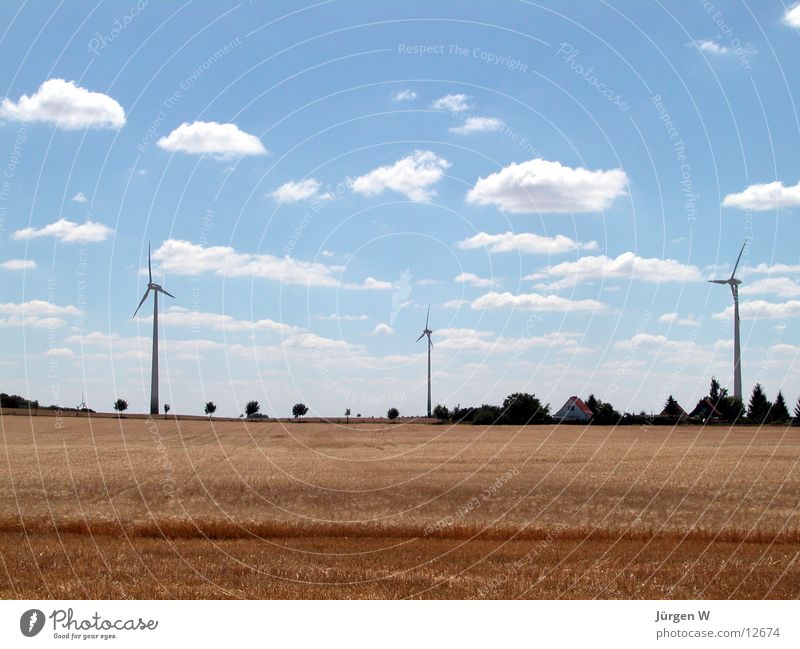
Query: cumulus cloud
x=300, y=190
x=35, y=313
x=525, y=242
x=60, y=352
x=767, y=269
x=177, y=316
x=780, y=286
x=66, y=105
x=712, y=47
x=19, y=264
x=186, y=258
x=628, y=265
x=765, y=196
x=762, y=310
x=455, y=304
x=224, y=141
x=382, y=328
x=473, y=280
x=673, y=318
x=453, y=103
x=535, y=301
x=67, y=231
x=792, y=16
x=411, y=176
x=404, y=95
x=375, y=284
x=339, y=316
x=545, y=186
x=478, y=125
x=465, y=339
x=80, y=197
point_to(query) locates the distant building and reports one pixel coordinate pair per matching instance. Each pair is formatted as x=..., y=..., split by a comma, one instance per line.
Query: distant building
x=574, y=410
x=675, y=412
x=705, y=410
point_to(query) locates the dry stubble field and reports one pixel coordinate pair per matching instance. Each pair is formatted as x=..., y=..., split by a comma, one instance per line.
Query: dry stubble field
x=104, y=508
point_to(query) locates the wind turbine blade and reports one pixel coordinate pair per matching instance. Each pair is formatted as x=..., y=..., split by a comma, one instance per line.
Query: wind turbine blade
x=738, y=259
x=146, y=293
x=421, y=336
x=166, y=293
x=149, y=268
x=427, y=317
x=430, y=342
x=718, y=281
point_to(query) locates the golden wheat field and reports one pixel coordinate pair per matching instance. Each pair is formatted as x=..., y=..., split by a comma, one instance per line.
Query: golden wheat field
x=131, y=508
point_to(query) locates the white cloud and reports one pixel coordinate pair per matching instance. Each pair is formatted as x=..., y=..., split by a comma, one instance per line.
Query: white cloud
x=473, y=280
x=628, y=265
x=327, y=253
x=781, y=286
x=762, y=310
x=66, y=105
x=382, y=329
x=301, y=190
x=404, y=95
x=535, y=301
x=465, y=339
x=35, y=313
x=428, y=282
x=455, y=304
x=177, y=316
x=672, y=349
x=673, y=318
x=525, y=242
x=339, y=316
x=766, y=269
x=223, y=141
x=68, y=232
x=478, y=125
x=60, y=352
x=544, y=186
x=712, y=47
x=765, y=196
x=80, y=197
x=375, y=284
x=411, y=176
x=19, y=264
x=453, y=103
x=792, y=16
x=185, y=258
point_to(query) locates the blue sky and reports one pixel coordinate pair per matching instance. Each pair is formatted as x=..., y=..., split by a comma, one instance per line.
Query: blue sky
x=557, y=180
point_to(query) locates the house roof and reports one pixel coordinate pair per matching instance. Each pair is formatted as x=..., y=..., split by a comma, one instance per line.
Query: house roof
x=579, y=404
x=709, y=405
x=682, y=412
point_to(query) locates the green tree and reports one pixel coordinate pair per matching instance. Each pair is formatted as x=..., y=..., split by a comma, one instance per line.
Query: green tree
x=716, y=392
x=779, y=414
x=347, y=415
x=441, y=412
x=211, y=408
x=523, y=408
x=251, y=408
x=797, y=412
x=299, y=409
x=120, y=405
x=671, y=407
x=392, y=414
x=166, y=410
x=759, y=406
x=487, y=415
x=603, y=413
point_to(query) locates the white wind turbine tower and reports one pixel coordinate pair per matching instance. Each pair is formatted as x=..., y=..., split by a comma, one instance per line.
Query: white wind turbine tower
x=156, y=288
x=427, y=332
x=733, y=282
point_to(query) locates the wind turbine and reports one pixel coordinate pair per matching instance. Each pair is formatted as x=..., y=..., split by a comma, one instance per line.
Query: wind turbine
x=427, y=332
x=156, y=288
x=733, y=282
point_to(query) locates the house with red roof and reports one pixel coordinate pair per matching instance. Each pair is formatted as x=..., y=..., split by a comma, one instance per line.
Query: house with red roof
x=574, y=410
